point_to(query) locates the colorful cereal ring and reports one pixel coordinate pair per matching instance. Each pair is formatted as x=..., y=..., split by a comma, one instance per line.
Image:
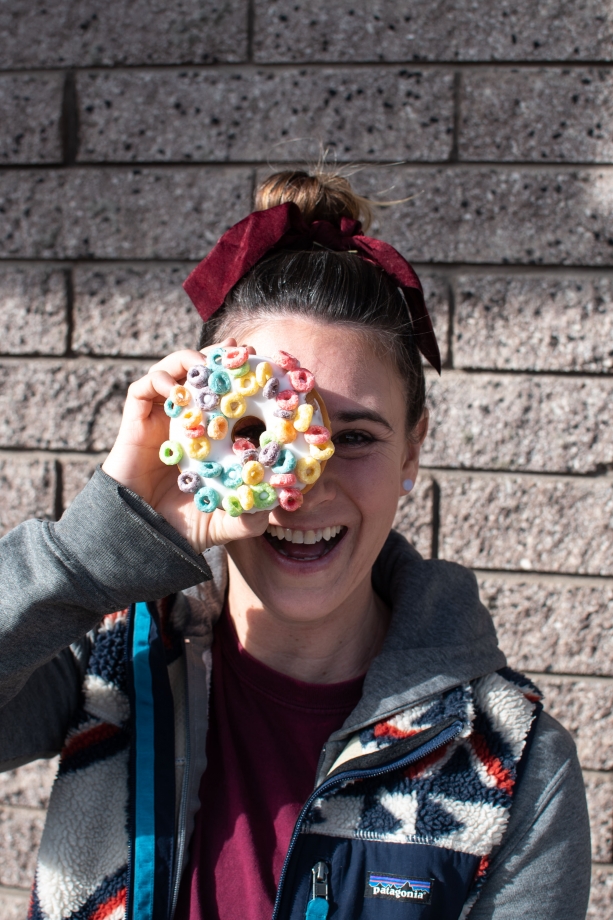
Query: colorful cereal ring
x=215, y=358
x=233, y=405
x=253, y=473
x=235, y=357
x=290, y=499
x=270, y=388
x=171, y=452
x=284, y=413
x=269, y=454
x=286, y=361
x=210, y=470
x=198, y=376
x=189, y=481
x=180, y=396
x=287, y=399
x=207, y=399
x=302, y=380
x=248, y=455
x=199, y=448
x=263, y=373
x=207, y=499
x=247, y=385
x=240, y=371
x=317, y=434
x=245, y=497
x=264, y=496
x=232, y=476
x=284, y=431
x=192, y=418
x=308, y=470
x=232, y=505
x=217, y=428
x=282, y=480
x=220, y=383
x=267, y=437
x=197, y=432
x=322, y=453
x=304, y=415
x=172, y=410
x=241, y=445
x=286, y=462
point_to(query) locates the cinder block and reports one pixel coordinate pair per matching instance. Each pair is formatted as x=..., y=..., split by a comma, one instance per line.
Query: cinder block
x=124, y=213
x=468, y=30
x=533, y=323
x=20, y=833
x=525, y=215
x=511, y=422
x=436, y=293
x=76, y=473
x=549, y=625
x=75, y=405
x=266, y=114
x=133, y=310
x=601, y=897
x=29, y=785
x=27, y=486
x=544, y=114
x=33, y=316
x=599, y=792
x=13, y=905
x=30, y=107
x=520, y=522
x=414, y=518
x=585, y=709
x=84, y=33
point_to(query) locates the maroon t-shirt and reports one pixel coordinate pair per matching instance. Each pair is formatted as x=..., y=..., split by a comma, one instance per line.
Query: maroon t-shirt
x=265, y=736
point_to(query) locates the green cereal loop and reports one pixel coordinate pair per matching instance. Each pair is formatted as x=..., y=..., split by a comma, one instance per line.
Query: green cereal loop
x=239, y=371
x=171, y=453
x=232, y=505
x=266, y=437
x=264, y=496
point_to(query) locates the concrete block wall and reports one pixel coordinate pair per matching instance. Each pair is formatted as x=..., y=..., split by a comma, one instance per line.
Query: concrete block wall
x=131, y=136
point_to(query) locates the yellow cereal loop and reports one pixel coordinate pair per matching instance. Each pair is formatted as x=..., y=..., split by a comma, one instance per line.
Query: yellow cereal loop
x=284, y=431
x=253, y=472
x=247, y=385
x=245, y=497
x=198, y=448
x=304, y=416
x=323, y=451
x=217, y=428
x=263, y=372
x=308, y=470
x=233, y=405
x=191, y=418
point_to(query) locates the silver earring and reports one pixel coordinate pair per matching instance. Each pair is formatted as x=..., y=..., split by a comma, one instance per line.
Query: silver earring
x=407, y=485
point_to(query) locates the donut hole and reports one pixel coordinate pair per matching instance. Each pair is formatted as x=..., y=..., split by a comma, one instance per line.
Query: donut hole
x=248, y=427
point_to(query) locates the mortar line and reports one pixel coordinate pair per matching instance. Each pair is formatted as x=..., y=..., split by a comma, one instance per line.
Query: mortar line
x=516, y=576
x=416, y=165
x=588, y=678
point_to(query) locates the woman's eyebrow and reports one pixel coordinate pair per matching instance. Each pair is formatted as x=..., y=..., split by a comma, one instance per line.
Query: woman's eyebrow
x=356, y=415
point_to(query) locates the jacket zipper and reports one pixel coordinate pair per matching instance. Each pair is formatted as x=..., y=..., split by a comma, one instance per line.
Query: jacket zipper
x=183, y=804
x=443, y=738
x=319, y=905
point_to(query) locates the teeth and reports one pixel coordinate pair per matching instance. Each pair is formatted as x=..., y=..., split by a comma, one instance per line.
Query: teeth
x=309, y=536
x=327, y=533
x=298, y=537
x=301, y=536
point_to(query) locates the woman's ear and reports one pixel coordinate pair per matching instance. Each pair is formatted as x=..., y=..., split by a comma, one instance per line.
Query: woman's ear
x=410, y=467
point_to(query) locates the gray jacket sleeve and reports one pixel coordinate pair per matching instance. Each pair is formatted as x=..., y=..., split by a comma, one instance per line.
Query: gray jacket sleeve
x=109, y=550
x=542, y=868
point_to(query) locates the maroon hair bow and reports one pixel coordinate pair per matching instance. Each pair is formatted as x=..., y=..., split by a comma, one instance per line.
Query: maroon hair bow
x=283, y=226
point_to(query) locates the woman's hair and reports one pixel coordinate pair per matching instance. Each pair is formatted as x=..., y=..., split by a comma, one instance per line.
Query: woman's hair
x=330, y=287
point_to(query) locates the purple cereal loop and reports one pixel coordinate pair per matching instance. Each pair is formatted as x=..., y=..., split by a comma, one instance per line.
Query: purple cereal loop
x=189, y=481
x=284, y=413
x=270, y=388
x=246, y=455
x=198, y=375
x=207, y=399
x=269, y=454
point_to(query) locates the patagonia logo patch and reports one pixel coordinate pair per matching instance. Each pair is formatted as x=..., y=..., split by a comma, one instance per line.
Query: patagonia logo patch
x=397, y=888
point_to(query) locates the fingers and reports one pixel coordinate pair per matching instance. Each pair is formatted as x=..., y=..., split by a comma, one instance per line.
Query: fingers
x=143, y=393
x=225, y=529
x=178, y=363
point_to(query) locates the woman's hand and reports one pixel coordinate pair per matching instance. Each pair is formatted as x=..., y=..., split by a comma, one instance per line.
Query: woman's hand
x=134, y=460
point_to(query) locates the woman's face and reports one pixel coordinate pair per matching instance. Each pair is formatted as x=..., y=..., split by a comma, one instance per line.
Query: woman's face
x=359, y=488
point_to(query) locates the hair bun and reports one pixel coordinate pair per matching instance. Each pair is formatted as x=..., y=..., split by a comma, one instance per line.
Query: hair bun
x=320, y=196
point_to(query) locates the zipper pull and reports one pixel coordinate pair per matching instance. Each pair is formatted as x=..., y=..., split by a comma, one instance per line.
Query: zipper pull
x=318, y=906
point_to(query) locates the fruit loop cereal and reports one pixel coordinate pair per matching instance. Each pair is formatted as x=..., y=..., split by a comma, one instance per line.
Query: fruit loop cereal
x=249, y=433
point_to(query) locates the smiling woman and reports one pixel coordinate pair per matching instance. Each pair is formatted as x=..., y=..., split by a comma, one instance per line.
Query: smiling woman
x=317, y=719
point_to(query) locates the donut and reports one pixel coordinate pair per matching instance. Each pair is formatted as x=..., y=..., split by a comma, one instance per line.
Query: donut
x=249, y=432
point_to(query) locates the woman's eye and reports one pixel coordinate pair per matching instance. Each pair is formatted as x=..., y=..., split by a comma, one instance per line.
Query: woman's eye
x=352, y=439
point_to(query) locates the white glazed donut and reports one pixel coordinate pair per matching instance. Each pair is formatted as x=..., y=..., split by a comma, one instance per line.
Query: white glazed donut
x=248, y=433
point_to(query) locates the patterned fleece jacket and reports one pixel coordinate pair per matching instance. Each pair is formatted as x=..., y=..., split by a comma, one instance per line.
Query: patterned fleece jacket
x=447, y=792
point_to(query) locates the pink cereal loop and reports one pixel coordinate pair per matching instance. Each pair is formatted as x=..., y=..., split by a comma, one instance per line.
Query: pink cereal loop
x=197, y=432
x=302, y=380
x=286, y=361
x=290, y=499
x=180, y=396
x=316, y=434
x=235, y=357
x=287, y=399
x=282, y=480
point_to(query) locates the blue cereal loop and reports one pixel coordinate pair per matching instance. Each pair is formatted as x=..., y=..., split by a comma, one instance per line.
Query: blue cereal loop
x=207, y=499
x=209, y=469
x=214, y=359
x=286, y=462
x=232, y=477
x=171, y=409
x=220, y=383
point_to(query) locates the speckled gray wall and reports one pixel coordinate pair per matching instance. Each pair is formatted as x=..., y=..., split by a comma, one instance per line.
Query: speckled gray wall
x=132, y=134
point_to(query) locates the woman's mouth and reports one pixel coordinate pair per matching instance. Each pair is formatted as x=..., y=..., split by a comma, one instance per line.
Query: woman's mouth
x=304, y=545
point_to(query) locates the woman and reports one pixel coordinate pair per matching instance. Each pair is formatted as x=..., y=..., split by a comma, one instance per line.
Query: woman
x=299, y=727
